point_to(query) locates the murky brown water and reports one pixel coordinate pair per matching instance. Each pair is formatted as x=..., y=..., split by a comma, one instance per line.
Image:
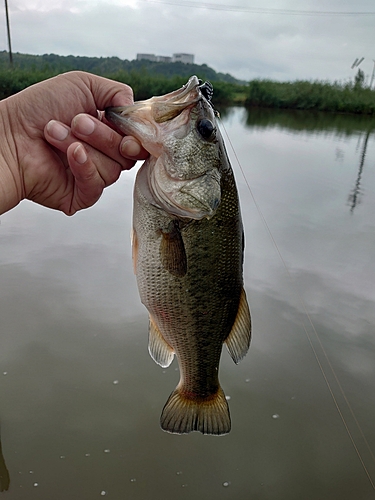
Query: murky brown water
x=80, y=398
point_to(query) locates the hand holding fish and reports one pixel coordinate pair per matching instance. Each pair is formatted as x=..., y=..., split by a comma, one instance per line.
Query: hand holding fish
x=57, y=149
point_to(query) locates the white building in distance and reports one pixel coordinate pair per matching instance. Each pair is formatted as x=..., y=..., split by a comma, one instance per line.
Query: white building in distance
x=147, y=57
x=179, y=57
x=184, y=58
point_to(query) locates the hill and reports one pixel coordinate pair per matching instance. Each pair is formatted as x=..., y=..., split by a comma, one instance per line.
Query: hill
x=53, y=63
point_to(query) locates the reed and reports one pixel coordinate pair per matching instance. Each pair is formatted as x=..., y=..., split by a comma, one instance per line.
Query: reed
x=319, y=96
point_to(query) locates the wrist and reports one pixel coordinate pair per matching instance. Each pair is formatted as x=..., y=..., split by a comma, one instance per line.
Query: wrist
x=10, y=179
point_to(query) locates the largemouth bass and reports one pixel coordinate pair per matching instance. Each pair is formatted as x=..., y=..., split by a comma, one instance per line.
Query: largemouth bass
x=188, y=250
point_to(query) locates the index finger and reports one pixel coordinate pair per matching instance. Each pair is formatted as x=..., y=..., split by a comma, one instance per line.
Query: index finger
x=108, y=92
x=106, y=140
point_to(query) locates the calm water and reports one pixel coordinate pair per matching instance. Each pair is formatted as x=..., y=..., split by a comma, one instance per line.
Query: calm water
x=80, y=398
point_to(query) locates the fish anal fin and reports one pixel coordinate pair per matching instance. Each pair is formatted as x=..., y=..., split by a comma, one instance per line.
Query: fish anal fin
x=161, y=352
x=172, y=250
x=238, y=341
x=182, y=414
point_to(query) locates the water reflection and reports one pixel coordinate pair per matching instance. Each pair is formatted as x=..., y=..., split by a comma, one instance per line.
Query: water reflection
x=339, y=126
x=308, y=121
x=4, y=473
x=356, y=194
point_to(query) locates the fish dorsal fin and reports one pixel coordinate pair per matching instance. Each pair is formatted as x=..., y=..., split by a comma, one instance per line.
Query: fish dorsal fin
x=238, y=341
x=172, y=250
x=159, y=350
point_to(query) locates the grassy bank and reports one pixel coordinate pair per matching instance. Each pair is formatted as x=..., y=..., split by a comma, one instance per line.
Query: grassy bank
x=318, y=96
x=143, y=84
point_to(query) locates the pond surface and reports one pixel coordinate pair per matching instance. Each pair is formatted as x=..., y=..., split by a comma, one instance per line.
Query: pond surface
x=80, y=397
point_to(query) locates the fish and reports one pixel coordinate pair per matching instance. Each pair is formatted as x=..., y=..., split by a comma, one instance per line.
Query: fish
x=187, y=250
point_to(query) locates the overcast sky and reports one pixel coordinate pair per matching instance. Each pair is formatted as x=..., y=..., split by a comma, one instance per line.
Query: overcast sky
x=277, y=39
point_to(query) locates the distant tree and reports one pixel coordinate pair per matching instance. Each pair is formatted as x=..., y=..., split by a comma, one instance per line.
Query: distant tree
x=359, y=80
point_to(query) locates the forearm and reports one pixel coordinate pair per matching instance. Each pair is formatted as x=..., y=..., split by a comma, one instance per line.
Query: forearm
x=10, y=185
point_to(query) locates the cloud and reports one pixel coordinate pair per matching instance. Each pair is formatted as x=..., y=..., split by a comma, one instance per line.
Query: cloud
x=249, y=45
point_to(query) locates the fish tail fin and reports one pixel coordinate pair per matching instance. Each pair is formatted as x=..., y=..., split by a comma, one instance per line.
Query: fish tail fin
x=182, y=414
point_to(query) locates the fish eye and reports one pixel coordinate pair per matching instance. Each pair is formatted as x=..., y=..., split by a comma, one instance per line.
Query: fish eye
x=206, y=128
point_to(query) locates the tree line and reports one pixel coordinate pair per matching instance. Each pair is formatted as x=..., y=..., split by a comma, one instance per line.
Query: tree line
x=148, y=78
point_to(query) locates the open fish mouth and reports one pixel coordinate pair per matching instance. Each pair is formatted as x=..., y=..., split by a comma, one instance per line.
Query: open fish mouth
x=162, y=108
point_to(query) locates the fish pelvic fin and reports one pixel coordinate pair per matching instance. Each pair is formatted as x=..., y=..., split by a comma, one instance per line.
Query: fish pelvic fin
x=182, y=414
x=238, y=341
x=160, y=351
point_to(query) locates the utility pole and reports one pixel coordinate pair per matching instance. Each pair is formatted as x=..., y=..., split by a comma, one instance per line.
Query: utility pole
x=373, y=74
x=8, y=29
x=357, y=62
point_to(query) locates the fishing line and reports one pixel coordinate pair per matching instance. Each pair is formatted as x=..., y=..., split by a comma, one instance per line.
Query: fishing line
x=259, y=10
x=308, y=336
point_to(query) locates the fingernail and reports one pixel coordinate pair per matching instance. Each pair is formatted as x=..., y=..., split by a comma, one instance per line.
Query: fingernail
x=57, y=130
x=79, y=154
x=83, y=125
x=130, y=147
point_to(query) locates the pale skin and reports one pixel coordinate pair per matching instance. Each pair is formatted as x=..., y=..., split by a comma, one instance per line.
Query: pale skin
x=56, y=148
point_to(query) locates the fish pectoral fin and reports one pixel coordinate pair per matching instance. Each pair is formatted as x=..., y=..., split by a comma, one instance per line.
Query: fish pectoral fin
x=238, y=341
x=161, y=352
x=172, y=250
x=182, y=414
